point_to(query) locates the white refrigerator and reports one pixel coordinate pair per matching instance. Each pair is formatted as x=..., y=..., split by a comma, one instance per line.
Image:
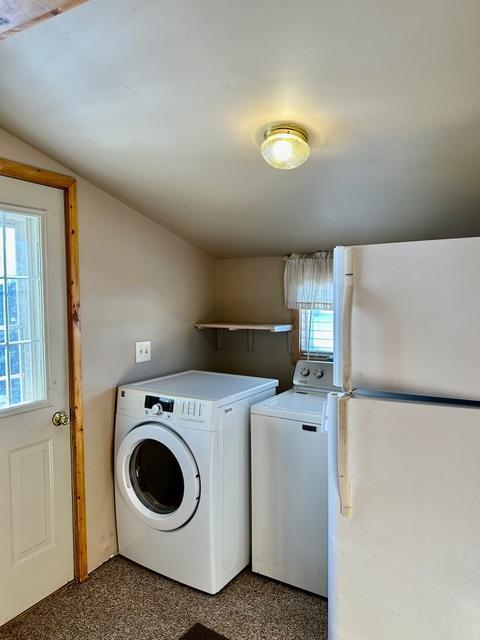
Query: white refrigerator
x=404, y=443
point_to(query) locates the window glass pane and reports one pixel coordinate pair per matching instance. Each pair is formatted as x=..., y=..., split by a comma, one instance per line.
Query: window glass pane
x=316, y=331
x=24, y=306
x=15, y=391
x=2, y=261
x=14, y=359
x=21, y=237
x=22, y=373
x=30, y=361
x=3, y=362
x=24, y=360
x=3, y=394
x=2, y=311
x=12, y=306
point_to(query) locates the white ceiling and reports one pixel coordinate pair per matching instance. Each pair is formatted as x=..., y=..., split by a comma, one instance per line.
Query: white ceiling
x=163, y=104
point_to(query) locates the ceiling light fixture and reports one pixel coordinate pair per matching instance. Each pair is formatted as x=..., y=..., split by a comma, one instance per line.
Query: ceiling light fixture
x=285, y=146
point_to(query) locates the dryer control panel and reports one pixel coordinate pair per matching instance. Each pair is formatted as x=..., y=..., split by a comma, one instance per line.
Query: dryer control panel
x=154, y=402
x=192, y=409
x=136, y=403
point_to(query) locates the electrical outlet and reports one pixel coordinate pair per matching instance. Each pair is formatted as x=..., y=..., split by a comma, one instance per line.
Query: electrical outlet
x=143, y=351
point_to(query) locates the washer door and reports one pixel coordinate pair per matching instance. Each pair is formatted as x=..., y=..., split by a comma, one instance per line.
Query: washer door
x=158, y=476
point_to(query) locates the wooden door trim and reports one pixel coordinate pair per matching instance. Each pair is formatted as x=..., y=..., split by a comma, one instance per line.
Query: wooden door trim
x=68, y=184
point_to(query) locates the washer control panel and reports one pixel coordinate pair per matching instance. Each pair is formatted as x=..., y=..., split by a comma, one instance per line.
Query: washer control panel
x=314, y=374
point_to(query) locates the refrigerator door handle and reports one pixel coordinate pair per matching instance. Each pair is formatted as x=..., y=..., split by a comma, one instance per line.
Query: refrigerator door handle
x=342, y=458
x=347, y=305
x=342, y=326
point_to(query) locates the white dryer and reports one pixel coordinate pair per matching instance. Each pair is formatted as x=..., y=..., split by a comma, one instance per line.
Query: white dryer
x=290, y=482
x=182, y=474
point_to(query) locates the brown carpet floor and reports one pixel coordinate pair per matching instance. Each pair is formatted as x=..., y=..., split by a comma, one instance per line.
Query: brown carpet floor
x=122, y=601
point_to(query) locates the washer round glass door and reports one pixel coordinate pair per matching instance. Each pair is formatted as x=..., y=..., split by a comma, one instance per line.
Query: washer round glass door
x=158, y=476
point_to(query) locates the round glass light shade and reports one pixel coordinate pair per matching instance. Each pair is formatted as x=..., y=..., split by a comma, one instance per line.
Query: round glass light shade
x=285, y=147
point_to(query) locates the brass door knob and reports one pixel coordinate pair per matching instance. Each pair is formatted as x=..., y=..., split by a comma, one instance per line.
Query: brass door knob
x=60, y=419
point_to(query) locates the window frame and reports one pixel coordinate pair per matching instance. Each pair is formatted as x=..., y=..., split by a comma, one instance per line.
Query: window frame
x=297, y=352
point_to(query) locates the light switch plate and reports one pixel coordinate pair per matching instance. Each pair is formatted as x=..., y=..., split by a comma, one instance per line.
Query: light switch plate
x=143, y=351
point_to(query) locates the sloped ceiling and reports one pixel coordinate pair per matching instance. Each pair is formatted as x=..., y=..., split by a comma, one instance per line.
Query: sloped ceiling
x=163, y=103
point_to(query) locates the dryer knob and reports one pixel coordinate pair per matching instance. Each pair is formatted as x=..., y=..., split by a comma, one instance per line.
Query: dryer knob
x=157, y=409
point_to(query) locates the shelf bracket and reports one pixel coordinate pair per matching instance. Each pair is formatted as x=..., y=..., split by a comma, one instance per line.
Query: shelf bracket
x=250, y=340
x=290, y=343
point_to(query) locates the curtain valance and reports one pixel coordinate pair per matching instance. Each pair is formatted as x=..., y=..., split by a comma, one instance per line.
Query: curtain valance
x=308, y=280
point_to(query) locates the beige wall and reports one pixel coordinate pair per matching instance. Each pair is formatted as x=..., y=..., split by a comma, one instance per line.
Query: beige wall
x=251, y=289
x=138, y=282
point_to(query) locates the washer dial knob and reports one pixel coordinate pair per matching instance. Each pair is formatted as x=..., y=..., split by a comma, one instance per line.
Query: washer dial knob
x=157, y=409
x=305, y=371
x=319, y=373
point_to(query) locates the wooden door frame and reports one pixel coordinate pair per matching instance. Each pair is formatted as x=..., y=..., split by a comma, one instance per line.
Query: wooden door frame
x=68, y=185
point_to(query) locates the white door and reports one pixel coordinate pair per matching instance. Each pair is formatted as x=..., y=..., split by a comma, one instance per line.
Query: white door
x=406, y=563
x=36, y=540
x=415, y=317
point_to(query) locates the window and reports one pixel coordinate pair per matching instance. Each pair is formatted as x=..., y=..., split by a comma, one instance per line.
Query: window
x=308, y=286
x=22, y=347
x=316, y=332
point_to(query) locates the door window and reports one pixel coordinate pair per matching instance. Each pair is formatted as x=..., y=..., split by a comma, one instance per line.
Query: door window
x=22, y=343
x=156, y=477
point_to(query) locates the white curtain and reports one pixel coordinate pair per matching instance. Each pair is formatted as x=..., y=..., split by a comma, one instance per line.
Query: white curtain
x=308, y=280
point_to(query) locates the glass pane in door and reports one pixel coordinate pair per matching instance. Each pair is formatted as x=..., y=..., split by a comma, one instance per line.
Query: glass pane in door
x=22, y=331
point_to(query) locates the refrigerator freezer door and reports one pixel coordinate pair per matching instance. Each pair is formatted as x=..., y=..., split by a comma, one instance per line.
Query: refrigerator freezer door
x=415, y=318
x=406, y=564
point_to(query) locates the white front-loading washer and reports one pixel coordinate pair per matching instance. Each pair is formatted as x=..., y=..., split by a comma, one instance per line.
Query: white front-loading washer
x=182, y=474
x=290, y=481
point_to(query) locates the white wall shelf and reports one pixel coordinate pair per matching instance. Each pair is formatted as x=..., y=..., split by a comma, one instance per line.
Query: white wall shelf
x=237, y=326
